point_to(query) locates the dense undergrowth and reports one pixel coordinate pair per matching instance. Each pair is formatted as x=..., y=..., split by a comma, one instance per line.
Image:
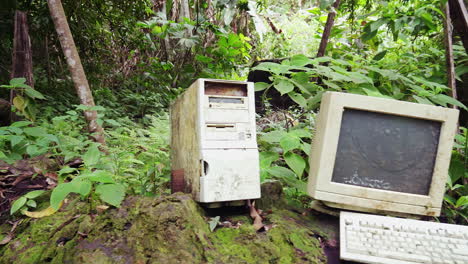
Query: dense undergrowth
x=139, y=58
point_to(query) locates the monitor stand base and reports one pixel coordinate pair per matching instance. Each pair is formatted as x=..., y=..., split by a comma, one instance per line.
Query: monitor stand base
x=333, y=206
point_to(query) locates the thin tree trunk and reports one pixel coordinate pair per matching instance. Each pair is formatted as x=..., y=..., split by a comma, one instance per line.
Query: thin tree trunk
x=449, y=53
x=22, y=56
x=209, y=13
x=75, y=67
x=185, y=9
x=185, y=12
x=459, y=17
x=327, y=29
x=167, y=41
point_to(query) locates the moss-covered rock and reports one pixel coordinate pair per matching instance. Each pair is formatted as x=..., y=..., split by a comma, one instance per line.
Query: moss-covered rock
x=169, y=229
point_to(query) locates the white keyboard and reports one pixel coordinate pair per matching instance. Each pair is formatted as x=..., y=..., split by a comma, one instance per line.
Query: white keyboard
x=381, y=239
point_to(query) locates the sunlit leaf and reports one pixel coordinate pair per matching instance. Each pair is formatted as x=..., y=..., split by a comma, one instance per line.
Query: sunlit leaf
x=284, y=86
x=295, y=162
x=112, y=194
x=17, y=204
x=289, y=142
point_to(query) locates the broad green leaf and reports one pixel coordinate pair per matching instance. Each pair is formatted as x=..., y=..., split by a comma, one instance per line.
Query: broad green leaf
x=306, y=148
x=267, y=157
x=91, y=157
x=456, y=169
x=462, y=201
x=273, y=136
x=298, y=98
x=31, y=203
x=15, y=139
x=272, y=67
x=322, y=59
x=375, y=25
x=35, y=131
x=368, y=35
x=60, y=192
x=98, y=176
x=314, y=101
x=66, y=170
x=449, y=199
x=281, y=172
x=288, y=177
x=289, y=142
x=19, y=102
x=296, y=163
x=443, y=99
x=284, y=86
x=17, y=81
x=302, y=81
x=300, y=60
x=260, y=86
x=15, y=130
x=83, y=186
x=112, y=194
x=21, y=124
x=376, y=93
x=380, y=55
x=422, y=100
x=17, y=204
x=204, y=59
x=302, y=133
x=331, y=85
x=51, y=138
x=34, y=93
x=34, y=194
x=97, y=108
x=33, y=150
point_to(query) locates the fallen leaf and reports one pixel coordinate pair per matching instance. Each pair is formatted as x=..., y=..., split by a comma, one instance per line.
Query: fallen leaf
x=214, y=223
x=6, y=239
x=39, y=214
x=255, y=216
x=101, y=208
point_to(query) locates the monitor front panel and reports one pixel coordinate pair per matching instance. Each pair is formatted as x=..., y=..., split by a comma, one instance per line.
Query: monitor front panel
x=388, y=152
x=372, y=152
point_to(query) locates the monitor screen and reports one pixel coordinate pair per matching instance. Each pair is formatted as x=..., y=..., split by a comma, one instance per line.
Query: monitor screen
x=384, y=151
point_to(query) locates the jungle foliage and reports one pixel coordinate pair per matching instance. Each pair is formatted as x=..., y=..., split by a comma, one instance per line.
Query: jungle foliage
x=140, y=55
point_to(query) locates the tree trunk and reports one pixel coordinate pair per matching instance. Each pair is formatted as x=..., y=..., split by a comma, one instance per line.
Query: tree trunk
x=22, y=56
x=75, y=67
x=449, y=53
x=459, y=14
x=327, y=29
x=185, y=9
x=185, y=12
x=210, y=15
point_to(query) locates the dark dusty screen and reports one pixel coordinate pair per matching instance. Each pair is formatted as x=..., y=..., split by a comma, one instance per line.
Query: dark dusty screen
x=384, y=151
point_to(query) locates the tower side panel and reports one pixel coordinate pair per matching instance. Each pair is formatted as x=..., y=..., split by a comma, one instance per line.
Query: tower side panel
x=185, y=144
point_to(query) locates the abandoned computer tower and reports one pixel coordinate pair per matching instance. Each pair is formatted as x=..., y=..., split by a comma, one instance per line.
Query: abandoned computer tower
x=214, y=150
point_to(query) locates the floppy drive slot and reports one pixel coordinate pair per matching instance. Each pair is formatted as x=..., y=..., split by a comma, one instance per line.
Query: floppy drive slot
x=221, y=127
x=225, y=100
x=221, y=132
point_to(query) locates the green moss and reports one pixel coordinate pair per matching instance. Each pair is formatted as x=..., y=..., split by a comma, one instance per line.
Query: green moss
x=170, y=229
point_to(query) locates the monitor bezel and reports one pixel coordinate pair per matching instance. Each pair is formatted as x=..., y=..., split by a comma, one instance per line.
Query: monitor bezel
x=325, y=145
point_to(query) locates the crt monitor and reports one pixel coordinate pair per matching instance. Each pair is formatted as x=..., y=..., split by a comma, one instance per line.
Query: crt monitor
x=381, y=155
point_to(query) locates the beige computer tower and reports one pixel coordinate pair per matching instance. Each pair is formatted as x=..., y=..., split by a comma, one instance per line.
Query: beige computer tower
x=213, y=141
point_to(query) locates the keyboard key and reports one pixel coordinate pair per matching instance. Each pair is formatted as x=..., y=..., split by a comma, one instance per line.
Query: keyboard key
x=403, y=256
x=460, y=250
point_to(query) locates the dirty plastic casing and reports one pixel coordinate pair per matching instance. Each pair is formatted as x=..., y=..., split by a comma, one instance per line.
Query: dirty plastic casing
x=213, y=141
